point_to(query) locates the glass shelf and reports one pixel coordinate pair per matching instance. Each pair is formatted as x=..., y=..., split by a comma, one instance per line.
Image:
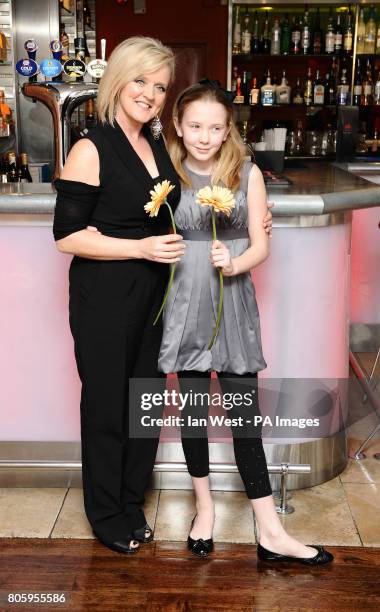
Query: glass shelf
x=251, y=57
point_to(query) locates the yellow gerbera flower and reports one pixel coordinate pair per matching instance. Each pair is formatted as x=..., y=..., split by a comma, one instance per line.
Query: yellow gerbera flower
x=220, y=198
x=159, y=195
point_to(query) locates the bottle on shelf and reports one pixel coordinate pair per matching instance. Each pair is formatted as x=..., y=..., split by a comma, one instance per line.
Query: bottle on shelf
x=237, y=33
x=297, y=97
x=295, y=40
x=358, y=89
x=330, y=89
x=348, y=34
x=308, y=89
x=376, y=91
x=255, y=47
x=338, y=42
x=299, y=138
x=367, y=84
x=377, y=46
x=12, y=175
x=268, y=92
x=3, y=47
x=370, y=32
x=89, y=113
x=283, y=91
x=6, y=121
x=360, y=33
x=64, y=40
x=3, y=170
x=246, y=34
x=318, y=91
x=87, y=15
x=235, y=75
x=317, y=35
x=23, y=173
x=305, y=34
x=266, y=35
x=254, y=95
x=285, y=36
x=245, y=86
x=275, y=46
x=239, y=98
x=330, y=34
x=343, y=89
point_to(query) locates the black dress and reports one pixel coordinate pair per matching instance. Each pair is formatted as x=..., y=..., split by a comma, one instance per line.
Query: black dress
x=112, y=308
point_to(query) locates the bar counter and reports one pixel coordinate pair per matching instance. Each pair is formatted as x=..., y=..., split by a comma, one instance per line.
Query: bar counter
x=303, y=295
x=318, y=188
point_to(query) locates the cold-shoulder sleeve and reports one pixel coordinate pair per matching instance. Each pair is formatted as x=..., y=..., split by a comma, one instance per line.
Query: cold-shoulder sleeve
x=74, y=206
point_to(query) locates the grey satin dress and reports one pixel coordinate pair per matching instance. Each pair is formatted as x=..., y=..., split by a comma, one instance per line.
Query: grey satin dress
x=190, y=312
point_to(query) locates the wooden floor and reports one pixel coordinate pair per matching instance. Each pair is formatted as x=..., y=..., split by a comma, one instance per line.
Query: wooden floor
x=164, y=576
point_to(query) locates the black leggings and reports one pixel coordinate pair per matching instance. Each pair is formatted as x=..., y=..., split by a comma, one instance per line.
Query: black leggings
x=248, y=446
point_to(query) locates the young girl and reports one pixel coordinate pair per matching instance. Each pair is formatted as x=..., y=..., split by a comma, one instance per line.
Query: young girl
x=206, y=149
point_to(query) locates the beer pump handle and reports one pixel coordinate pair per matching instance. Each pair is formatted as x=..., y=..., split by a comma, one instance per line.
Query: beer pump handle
x=103, y=49
x=49, y=98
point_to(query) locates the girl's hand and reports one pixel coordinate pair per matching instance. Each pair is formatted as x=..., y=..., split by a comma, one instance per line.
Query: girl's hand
x=267, y=221
x=221, y=258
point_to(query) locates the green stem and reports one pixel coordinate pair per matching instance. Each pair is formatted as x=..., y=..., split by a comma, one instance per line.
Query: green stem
x=220, y=305
x=172, y=269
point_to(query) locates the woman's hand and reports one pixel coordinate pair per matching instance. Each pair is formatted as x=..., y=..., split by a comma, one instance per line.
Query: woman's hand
x=267, y=221
x=221, y=258
x=162, y=249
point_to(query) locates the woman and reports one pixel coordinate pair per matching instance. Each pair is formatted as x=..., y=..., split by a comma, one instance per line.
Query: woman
x=206, y=150
x=117, y=279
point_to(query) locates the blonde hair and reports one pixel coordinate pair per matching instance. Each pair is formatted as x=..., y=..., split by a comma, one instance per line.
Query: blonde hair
x=131, y=58
x=231, y=154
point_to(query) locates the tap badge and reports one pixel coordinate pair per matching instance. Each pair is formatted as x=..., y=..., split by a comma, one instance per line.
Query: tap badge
x=27, y=67
x=74, y=68
x=50, y=68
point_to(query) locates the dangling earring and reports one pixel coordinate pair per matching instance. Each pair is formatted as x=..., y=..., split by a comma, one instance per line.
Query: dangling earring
x=156, y=127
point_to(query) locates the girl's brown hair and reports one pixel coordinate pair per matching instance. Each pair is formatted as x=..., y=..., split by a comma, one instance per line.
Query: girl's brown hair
x=231, y=154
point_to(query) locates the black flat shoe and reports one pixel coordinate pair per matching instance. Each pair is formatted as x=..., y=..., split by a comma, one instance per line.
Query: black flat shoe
x=200, y=548
x=120, y=546
x=320, y=558
x=143, y=534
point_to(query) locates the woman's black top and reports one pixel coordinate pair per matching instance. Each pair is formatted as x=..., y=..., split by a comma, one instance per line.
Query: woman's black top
x=116, y=206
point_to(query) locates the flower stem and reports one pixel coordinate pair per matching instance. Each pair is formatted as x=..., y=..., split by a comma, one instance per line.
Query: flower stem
x=172, y=269
x=220, y=305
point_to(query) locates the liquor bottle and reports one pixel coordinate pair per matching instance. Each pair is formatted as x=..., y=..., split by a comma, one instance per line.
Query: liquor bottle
x=275, y=46
x=268, y=92
x=23, y=170
x=297, y=93
x=348, y=34
x=3, y=47
x=305, y=34
x=3, y=170
x=338, y=42
x=377, y=49
x=283, y=91
x=358, y=90
x=254, y=96
x=376, y=91
x=285, y=36
x=317, y=35
x=6, y=124
x=245, y=86
x=343, y=89
x=89, y=113
x=246, y=35
x=370, y=32
x=330, y=89
x=318, y=91
x=256, y=35
x=87, y=15
x=295, y=41
x=266, y=35
x=367, y=84
x=308, y=90
x=237, y=33
x=235, y=75
x=330, y=34
x=239, y=98
x=12, y=176
x=360, y=36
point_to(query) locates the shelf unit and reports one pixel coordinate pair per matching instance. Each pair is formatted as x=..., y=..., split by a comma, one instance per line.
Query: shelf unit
x=295, y=65
x=7, y=71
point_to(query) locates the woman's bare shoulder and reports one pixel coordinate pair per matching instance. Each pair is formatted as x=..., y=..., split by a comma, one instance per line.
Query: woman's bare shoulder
x=82, y=163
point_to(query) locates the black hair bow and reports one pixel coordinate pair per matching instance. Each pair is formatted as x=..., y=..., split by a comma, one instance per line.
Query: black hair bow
x=213, y=84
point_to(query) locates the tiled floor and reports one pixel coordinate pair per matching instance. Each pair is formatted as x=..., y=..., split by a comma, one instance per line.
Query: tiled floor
x=343, y=511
